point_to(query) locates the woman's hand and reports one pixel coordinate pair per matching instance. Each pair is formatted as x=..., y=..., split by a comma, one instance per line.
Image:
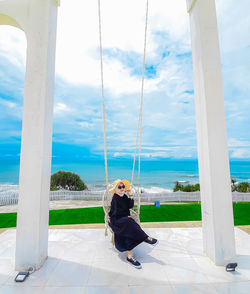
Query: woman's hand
x=130, y=193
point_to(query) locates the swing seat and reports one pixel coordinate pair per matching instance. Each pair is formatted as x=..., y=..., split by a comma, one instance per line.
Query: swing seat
x=106, y=202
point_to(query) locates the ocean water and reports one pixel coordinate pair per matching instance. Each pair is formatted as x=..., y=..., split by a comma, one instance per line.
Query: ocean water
x=156, y=175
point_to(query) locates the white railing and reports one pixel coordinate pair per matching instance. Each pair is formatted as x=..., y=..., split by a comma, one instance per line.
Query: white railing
x=11, y=197
x=76, y=195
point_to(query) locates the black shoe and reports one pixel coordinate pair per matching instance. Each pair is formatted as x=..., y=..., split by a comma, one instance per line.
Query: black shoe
x=151, y=241
x=134, y=262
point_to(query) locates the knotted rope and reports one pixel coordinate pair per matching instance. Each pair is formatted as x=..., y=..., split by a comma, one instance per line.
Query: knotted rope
x=138, y=137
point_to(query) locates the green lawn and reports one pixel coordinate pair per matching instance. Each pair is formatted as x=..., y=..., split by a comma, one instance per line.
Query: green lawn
x=149, y=213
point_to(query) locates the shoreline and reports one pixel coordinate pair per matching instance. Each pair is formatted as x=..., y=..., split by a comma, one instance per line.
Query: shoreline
x=97, y=188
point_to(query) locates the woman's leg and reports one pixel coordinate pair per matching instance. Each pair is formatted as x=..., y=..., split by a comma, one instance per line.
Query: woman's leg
x=133, y=230
x=132, y=260
x=130, y=253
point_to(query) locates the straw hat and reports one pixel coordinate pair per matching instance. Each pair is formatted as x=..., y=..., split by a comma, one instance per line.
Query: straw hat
x=116, y=182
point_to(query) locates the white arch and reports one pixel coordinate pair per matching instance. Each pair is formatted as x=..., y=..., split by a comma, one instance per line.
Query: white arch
x=7, y=20
x=38, y=20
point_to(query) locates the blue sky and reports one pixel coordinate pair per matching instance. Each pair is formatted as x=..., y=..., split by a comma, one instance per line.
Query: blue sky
x=169, y=129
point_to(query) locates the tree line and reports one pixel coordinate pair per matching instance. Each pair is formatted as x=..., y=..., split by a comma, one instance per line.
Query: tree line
x=243, y=187
x=72, y=181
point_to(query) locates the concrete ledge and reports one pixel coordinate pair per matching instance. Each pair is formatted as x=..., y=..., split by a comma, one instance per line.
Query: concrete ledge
x=144, y=225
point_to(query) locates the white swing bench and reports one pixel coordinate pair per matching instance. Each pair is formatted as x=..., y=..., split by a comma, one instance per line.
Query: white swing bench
x=134, y=211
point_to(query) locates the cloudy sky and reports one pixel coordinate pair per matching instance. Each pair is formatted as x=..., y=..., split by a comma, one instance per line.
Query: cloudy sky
x=168, y=116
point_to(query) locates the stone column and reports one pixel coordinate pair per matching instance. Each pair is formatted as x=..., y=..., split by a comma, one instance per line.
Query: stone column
x=215, y=182
x=38, y=18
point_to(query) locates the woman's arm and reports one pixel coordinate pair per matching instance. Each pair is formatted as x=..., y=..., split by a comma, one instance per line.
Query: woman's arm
x=130, y=199
x=131, y=202
x=116, y=210
x=112, y=211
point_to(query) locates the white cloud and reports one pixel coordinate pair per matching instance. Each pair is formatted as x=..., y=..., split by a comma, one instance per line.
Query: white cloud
x=168, y=109
x=240, y=153
x=10, y=110
x=61, y=109
x=233, y=24
x=13, y=45
x=77, y=56
x=78, y=40
x=238, y=143
x=7, y=103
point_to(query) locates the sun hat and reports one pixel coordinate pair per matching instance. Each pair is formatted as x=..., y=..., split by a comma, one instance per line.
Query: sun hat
x=116, y=182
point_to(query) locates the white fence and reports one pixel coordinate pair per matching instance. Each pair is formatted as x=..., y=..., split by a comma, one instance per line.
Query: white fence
x=76, y=195
x=11, y=197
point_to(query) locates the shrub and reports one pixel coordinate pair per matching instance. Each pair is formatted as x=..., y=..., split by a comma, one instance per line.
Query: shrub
x=233, y=185
x=178, y=187
x=197, y=187
x=187, y=188
x=67, y=180
x=243, y=187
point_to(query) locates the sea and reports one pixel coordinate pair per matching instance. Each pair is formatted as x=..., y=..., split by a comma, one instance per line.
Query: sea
x=155, y=176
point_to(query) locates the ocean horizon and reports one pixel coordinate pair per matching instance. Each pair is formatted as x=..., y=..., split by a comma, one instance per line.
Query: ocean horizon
x=156, y=175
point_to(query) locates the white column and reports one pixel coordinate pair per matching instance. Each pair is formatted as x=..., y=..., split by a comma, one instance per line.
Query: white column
x=35, y=165
x=215, y=182
x=38, y=18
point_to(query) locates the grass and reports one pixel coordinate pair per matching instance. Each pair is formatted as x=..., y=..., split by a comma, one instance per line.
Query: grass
x=149, y=213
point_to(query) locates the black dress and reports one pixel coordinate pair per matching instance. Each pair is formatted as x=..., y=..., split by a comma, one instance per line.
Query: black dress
x=127, y=233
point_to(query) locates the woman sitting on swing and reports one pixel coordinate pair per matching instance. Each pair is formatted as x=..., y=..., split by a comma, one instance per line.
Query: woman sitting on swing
x=127, y=233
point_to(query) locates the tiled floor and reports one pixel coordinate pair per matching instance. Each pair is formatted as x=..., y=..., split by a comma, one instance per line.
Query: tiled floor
x=84, y=261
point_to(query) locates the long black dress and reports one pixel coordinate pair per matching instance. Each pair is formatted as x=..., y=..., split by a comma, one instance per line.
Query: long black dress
x=127, y=233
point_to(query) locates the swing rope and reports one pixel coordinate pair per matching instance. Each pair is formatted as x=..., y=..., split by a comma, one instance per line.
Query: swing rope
x=103, y=102
x=138, y=137
x=191, y=6
x=141, y=105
